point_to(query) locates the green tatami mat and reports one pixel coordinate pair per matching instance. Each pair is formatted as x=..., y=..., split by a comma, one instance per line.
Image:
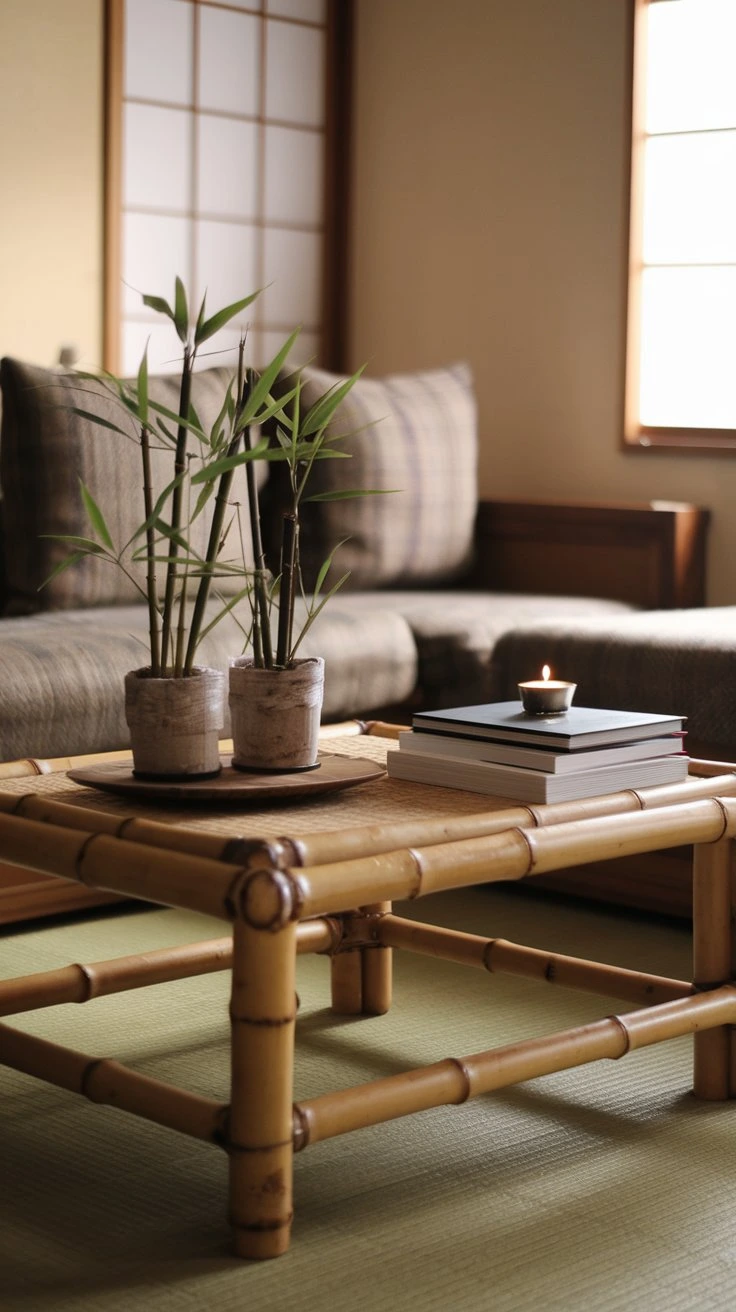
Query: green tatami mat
x=605, y=1187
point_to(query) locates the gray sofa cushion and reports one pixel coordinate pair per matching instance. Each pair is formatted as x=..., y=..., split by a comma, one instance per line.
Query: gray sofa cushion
x=678, y=662
x=456, y=632
x=46, y=448
x=61, y=673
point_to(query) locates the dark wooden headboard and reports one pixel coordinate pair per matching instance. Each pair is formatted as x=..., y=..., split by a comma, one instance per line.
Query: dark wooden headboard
x=650, y=554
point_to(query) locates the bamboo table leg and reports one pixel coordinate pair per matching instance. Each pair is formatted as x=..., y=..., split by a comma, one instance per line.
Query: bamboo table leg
x=263, y=1013
x=362, y=969
x=712, y=963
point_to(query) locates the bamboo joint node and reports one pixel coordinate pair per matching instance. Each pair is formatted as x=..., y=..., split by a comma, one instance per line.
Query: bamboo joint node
x=88, y=981
x=467, y=1083
x=416, y=859
x=301, y=1134
x=81, y=854
x=616, y=1020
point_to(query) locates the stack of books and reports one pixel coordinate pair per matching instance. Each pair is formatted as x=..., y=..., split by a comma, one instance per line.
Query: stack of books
x=499, y=749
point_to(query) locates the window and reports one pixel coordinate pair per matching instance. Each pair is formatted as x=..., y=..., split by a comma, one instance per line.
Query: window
x=225, y=127
x=681, y=352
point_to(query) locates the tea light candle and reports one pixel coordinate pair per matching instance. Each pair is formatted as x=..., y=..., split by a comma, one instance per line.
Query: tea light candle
x=546, y=696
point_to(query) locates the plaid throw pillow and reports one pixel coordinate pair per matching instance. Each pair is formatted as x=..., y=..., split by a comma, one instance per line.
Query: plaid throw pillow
x=45, y=449
x=415, y=433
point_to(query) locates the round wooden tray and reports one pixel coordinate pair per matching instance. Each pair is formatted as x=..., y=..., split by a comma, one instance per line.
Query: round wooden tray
x=234, y=786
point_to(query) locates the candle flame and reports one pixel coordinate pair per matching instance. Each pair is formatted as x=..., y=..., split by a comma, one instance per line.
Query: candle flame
x=546, y=671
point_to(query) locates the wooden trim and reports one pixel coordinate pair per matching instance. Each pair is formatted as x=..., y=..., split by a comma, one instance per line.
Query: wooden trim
x=637, y=436
x=112, y=182
x=647, y=554
x=691, y=441
x=338, y=142
x=637, y=65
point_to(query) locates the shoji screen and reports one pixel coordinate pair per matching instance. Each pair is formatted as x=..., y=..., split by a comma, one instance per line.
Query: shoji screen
x=218, y=169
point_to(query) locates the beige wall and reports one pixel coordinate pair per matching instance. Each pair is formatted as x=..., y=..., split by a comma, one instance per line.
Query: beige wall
x=489, y=224
x=51, y=171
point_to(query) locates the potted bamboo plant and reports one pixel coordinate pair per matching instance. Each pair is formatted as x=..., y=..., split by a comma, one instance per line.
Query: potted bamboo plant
x=175, y=707
x=275, y=695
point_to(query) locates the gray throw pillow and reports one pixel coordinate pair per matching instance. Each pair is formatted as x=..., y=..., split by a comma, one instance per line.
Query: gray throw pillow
x=415, y=433
x=45, y=449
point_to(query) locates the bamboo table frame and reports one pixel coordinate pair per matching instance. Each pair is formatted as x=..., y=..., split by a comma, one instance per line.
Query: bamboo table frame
x=300, y=895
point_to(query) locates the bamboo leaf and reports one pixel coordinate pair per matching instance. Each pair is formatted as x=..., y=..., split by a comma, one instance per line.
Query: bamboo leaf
x=87, y=546
x=216, y=467
x=218, y=320
x=350, y=492
x=203, y=498
x=97, y=419
x=62, y=565
x=95, y=516
x=178, y=419
x=260, y=394
x=181, y=311
x=323, y=409
x=158, y=304
x=200, y=321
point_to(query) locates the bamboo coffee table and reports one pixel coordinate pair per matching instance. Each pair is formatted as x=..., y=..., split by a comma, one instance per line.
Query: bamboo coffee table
x=329, y=889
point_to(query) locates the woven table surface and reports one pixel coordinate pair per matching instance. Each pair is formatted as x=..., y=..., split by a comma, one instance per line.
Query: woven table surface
x=379, y=802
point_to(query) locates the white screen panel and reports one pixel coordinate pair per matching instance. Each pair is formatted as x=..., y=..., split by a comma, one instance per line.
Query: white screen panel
x=226, y=174
x=164, y=348
x=689, y=346
x=295, y=73
x=156, y=250
x=309, y=11
x=158, y=50
x=226, y=265
x=690, y=198
x=229, y=61
x=690, y=65
x=293, y=267
x=157, y=152
x=294, y=176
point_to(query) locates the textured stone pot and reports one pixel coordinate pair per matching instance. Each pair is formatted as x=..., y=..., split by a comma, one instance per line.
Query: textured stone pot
x=175, y=724
x=275, y=714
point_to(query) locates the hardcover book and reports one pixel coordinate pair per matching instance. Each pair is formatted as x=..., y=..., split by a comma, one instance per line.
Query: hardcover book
x=533, y=785
x=574, y=730
x=537, y=758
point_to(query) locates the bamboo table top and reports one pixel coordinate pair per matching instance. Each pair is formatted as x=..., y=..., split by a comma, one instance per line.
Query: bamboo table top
x=380, y=802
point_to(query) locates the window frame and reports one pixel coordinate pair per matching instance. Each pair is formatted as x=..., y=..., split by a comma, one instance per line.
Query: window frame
x=638, y=436
x=339, y=27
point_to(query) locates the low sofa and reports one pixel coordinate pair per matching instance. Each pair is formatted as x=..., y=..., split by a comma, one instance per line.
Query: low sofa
x=437, y=577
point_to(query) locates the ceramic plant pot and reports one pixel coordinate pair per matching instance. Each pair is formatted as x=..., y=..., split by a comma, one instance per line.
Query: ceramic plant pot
x=175, y=724
x=275, y=714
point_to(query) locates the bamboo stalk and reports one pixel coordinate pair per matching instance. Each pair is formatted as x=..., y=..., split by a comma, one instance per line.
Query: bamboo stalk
x=151, y=590
x=325, y=846
x=286, y=588
x=115, y=865
x=180, y=461
x=81, y=983
x=260, y=1123
x=376, y=965
x=109, y=1082
x=712, y=951
x=499, y=956
x=455, y=1080
x=346, y=983
x=510, y=855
